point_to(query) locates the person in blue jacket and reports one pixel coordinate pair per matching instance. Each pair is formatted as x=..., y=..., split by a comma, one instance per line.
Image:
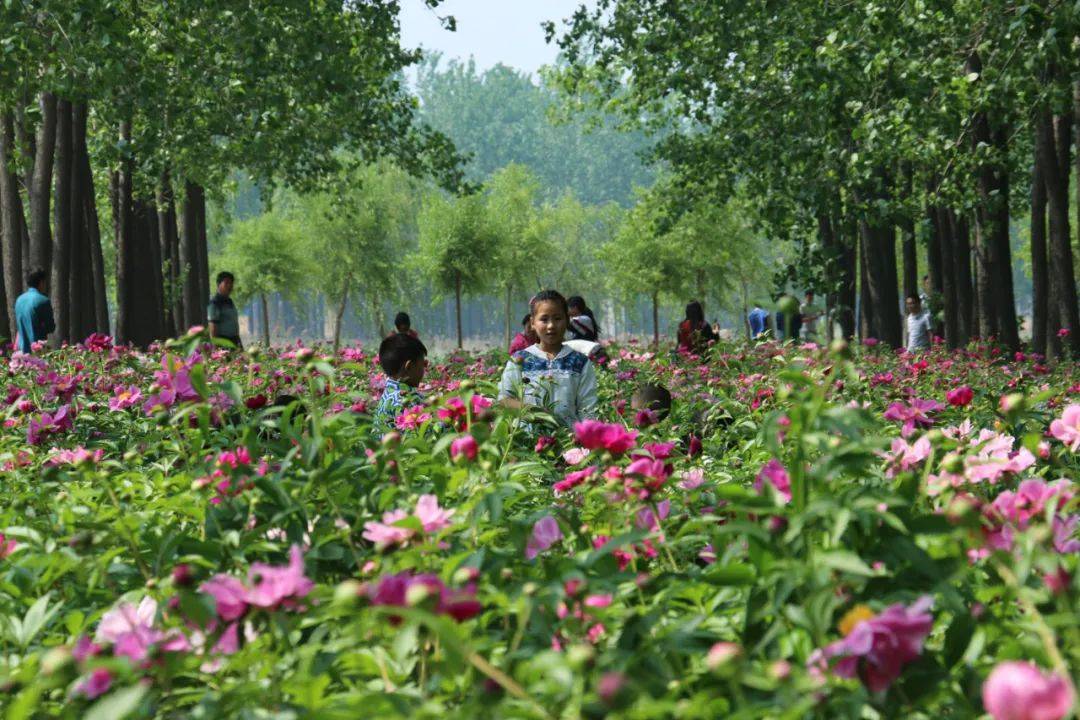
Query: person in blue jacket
x=33, y=311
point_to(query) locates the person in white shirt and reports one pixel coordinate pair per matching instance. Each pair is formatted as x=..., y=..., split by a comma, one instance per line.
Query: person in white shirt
x=918, y=325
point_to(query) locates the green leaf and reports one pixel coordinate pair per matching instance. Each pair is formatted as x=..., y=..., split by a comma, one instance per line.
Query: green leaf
x=845, y=561
x=118, y=705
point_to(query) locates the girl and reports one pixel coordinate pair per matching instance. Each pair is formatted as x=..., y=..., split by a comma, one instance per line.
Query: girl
x=583, y=325
x=694, y=333
x=525, y=338
x=548, y=374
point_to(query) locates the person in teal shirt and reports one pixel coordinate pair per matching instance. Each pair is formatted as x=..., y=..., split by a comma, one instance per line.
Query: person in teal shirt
x=33, y=311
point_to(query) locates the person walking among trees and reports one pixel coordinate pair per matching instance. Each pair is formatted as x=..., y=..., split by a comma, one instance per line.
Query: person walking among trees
x=33, y=311
x=810, y=314
x=758, y=318
x=583, y=325
x=549, y=374
x=695, y=333
x=403, y=325
x=918, y=325
x=222, y=314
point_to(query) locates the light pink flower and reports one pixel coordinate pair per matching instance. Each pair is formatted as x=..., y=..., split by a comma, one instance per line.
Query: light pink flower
x=386, y=533
x=575, y=456
x=126, y=618
x=545, y=533
x=273, y=587
x=1067, y=427
x=905, y=456
x=692, y=479
x=431, y=516
x=229, y=596
x=1021, y=691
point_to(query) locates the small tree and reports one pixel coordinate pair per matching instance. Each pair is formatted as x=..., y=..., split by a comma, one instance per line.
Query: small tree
x=265, y=254
x=457, y=246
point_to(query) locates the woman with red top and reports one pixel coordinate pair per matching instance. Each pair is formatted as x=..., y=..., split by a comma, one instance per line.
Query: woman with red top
x=694, y=333
x=525, y=338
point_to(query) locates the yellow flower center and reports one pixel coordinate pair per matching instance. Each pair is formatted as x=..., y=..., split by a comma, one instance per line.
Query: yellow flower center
x=853, y=617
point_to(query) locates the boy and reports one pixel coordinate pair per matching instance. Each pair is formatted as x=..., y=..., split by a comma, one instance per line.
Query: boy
x=918, y=325
x=404, y=359
x=33, y=312
x=221, y=312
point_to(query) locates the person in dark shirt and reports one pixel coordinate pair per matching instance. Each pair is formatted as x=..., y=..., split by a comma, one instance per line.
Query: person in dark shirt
x=224, y=319
x=695, y=333
x=403, y=326
x=33, y=312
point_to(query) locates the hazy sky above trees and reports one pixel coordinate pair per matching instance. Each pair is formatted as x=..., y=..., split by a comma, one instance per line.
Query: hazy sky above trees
x=492, y=31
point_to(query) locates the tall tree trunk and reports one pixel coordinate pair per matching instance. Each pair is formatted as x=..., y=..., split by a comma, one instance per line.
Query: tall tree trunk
x=41, y=184
x=1062, y=277
x=266, y=321
x=166, y=216
x=746, y=310
x=865, y=321
x=123, y=221
x=78, y=267
x=656, y=319
x=11, y=220
x=457, y=308
x=203, y=256
x=946, y=246
x=61, y=238
x=341, y=313
x=189, y=257
x=907, y=234
x=965, y=289
x=150, y=251
x=884, y=297
x=508, y=335
x=1040, y=288
x=96, y=265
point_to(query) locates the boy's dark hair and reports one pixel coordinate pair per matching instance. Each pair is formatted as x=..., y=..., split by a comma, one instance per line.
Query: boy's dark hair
x=35, y=277
x=694, y=312
x=223, y=276
x=915, y=297
x=402, y=320
x=654, y=397
x=397, y=350
x=549, y=296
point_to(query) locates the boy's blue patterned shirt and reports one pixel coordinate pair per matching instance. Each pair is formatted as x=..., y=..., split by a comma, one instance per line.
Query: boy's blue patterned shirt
x=396, y=397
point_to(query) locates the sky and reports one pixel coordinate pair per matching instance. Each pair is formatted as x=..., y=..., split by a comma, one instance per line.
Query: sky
x=491, y=31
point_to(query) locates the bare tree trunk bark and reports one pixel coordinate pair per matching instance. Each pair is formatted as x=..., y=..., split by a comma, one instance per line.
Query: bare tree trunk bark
x=203, y=256
x=78, y=268
x=1039, y=271
x=965, y=292
x=457, y=309
x=341, y=313
x=946, y=244
x=61, y=238
x=189, y=257
x=166, y=209
x=656, y=319
x=1062, y=276
x=266, y=320
x=11, y=220
x=93, y=240
x=40, y=235
x=122, y=224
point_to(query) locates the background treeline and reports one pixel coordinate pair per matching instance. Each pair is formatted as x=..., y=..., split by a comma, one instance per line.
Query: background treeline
x=121, y=122
x=866, y=130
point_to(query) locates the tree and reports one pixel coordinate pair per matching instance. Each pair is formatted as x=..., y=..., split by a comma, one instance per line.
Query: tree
x=266, y=255
x=457, y=244
x=363, y=229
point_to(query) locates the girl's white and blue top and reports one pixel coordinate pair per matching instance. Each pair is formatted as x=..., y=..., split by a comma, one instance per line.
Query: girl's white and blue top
x=564, y=385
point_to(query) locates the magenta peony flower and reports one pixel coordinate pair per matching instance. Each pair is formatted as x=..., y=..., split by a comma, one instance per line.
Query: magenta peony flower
x=1021, y=691
x=1067, y=428
x=7, y=546
x=273, y=587
x=48, y=424
x=595, y=435
x=412, y=418
x=572, y=480
x=543, y=443
x=960, y=396
x=916, y=414
x=406, y=589
x=464, y=448
x=229, y=595
x=775, y=474
x=878, y=648
x=95, y=684
x=545, y=533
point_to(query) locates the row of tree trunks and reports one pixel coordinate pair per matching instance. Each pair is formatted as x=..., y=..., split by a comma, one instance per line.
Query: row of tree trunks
x=11, y=220
x=60, y=254
x=882, y=292
x=40, y=185
x=170, y=254
x=193, y=258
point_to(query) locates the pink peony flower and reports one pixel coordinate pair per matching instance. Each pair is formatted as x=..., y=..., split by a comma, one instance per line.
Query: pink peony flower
x=124, y=397
x=464, y=448
x=7, y=546
x=878, y=648
x=412, y=418
x=48, y=424
x=95, y=684
x=572, y=480
x=230, y=596
x=775, y=474
x=596, y=435
x=960, y=396
x=1067, y=427
x=545, y=533
x=272, y=587
x=692, y=479
x=904, y=456
x=386, y=533
x=915, y=414
x=543, y=443
x=575, y=456
x=431, y=516
x=1021, y=691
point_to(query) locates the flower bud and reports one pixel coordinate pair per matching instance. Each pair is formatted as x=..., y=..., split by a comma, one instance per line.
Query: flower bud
x=347, y=592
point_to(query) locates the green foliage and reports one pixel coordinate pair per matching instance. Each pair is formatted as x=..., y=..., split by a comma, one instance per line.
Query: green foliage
x=267, y=255
x=458, y=243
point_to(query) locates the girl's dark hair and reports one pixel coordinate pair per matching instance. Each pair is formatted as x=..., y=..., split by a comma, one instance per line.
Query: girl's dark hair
x=695, y=313
x=578, y=301
x=525, y=320
x=553, y=296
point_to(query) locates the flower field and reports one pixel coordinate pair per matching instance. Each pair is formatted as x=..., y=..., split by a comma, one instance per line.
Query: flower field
x=812, y=532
